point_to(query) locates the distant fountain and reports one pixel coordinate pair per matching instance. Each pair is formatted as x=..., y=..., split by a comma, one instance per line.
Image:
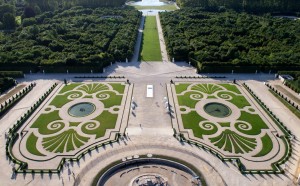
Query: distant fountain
x=149, y=3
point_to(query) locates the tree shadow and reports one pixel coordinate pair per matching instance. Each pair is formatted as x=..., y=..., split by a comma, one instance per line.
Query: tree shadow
x=33, y=175
x=246, y=176
x=50, y=175
x=253, y=175
x=171, y=115
x=24, y=175
x=78, y=163
x=134, y=115
x=278, y=176
x=225, y=163
x=134, y=103
x=262, y=175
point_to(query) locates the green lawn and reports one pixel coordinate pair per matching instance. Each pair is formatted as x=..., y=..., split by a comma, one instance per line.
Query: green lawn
x=267, y=146
x=150, y=44
x=192, y=120
x=31, y=145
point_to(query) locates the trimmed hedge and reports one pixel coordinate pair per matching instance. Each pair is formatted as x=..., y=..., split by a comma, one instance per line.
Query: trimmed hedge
x=13, y=134
x=14, y=99
x=13, y=74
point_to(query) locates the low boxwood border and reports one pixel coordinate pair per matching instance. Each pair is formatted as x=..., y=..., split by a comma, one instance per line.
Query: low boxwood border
x=13, y=134
x=101, y=77
x=13, y=74
x=199, y=77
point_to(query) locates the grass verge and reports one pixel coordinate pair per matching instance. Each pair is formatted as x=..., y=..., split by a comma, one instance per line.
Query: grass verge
x=150, y=44
x=290, y=107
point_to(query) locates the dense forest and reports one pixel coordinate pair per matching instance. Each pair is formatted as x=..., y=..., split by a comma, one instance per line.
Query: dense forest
x=76, y=39
x=228, y=39
x=256, y=6
x=46, y=5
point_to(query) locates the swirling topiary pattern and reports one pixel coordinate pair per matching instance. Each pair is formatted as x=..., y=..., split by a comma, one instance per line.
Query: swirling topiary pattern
x=90, y=125
x=197, y=97
x=103, y=96
x=55, y=126
x=74, y=95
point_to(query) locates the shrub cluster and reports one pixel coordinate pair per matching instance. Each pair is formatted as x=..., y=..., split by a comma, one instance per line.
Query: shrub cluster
x=15, y=98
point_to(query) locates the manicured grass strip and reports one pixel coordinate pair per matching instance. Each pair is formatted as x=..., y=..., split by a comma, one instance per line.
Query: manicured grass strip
x=74, y=124
x=239, y=101
x=255, y=121
x=211, y=97
x=150, y=46
x=118, y=87
x=31, y=145
x=68, y=87
x=107, y=121
x=290, y=107
x=88, y=96
x=185, y=99
x=113, y=99
x=228, y=144
x=181, y=87
x=192, y=120
x=61, y=100
x=267, y=146
x=231, y=87
x=44, y=119
x=225, y=124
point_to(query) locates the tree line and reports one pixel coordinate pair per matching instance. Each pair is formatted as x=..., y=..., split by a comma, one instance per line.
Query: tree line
x=230, y=39
x=256, y=6
x=9, y=9
x=78, y=39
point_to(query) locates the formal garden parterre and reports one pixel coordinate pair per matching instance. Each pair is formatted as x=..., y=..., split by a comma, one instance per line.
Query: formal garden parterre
x=77, y=117
x=224, y=118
